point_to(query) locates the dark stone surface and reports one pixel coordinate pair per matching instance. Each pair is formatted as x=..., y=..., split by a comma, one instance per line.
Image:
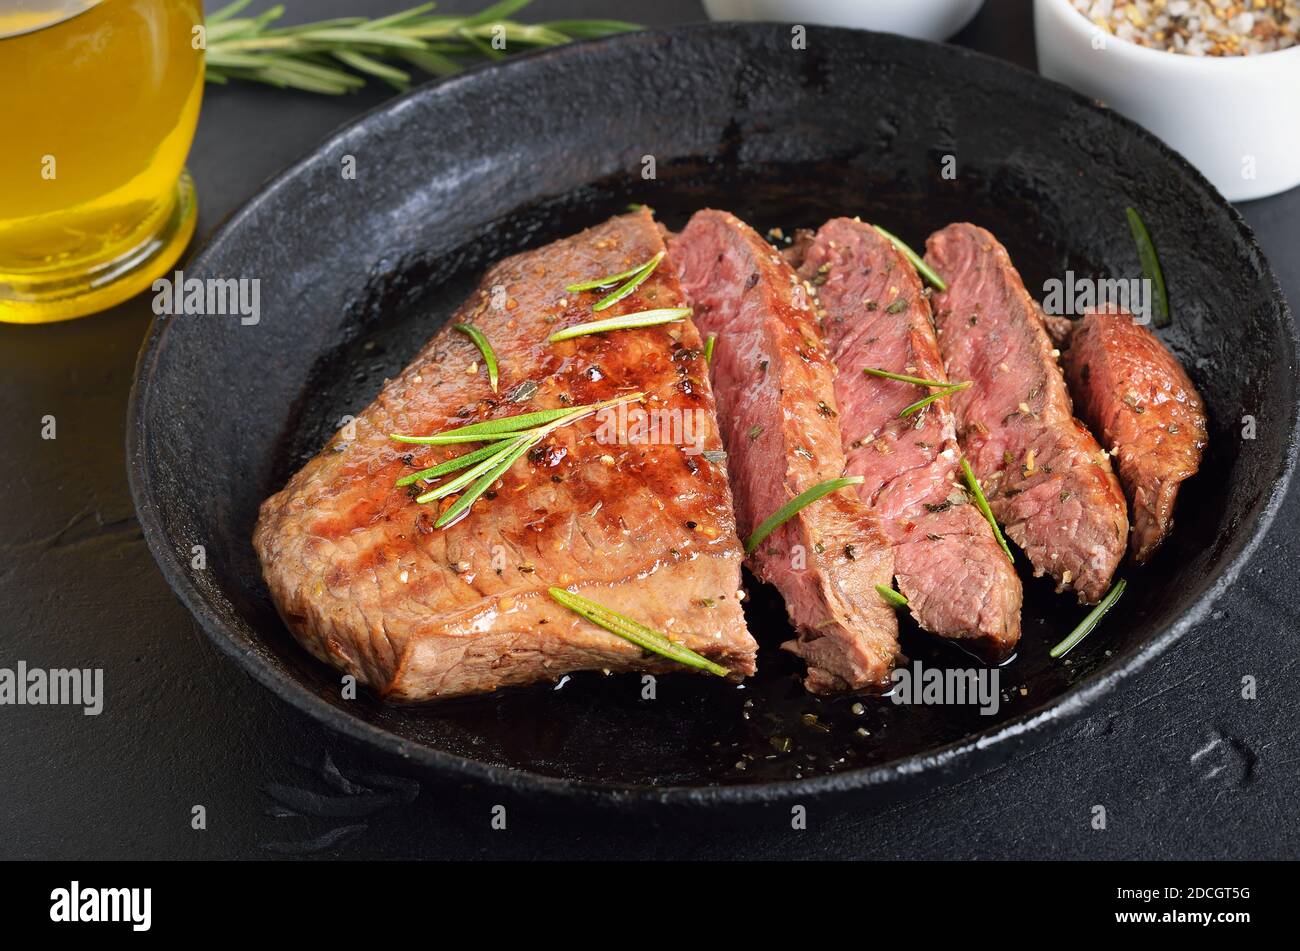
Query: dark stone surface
x=1183, y=765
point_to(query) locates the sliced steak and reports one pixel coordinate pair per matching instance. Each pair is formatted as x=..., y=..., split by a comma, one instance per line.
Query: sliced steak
x=364, y=580
x=776, y=408
x=1049, y=483
x=875, y=314
x=1139, y=400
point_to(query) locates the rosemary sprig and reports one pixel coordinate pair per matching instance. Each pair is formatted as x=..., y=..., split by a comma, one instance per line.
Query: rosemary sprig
x=913, y=258
x=471, y=494
x=338, y=55
x=485, y=348
x=904, y=378
x=1091, y=621
x=451, y=465
x=502, y=428
x=944, y=388
x=800, y=501
x=923, y=403
x=708, y=347
x=982, y=503
x=1150, y=265
x=891, y=597
x=630, y=630
x=636, y=281
x=608, y=280
x=642, y=318
x=510, y=438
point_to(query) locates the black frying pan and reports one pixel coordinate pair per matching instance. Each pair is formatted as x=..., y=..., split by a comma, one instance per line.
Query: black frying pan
x=356, y=274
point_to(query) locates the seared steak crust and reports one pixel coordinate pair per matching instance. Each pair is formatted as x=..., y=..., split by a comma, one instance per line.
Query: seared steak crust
x=1049, y=483
x=777, y=411
x=875, y=314
x=366, y=583
x=1139, y=400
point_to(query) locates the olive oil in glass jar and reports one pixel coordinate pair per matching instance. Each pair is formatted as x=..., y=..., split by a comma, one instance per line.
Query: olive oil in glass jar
x=98, y=104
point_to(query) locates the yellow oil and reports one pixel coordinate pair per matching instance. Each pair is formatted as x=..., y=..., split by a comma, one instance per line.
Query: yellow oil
x=98, y=104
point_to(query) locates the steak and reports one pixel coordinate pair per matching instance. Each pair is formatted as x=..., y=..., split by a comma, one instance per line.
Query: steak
x=776, y=408
x=875, y=314
x=365, y=581
x=1049, y=483
x=1139, y=400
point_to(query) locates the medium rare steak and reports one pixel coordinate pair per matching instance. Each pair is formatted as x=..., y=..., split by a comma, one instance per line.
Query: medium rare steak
x=776, y=408
x=875, y=314
x=366, y=582
x=1049, y=483
x=1139, y=400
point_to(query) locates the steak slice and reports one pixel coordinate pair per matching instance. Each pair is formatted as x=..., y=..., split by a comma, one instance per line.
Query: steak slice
x=875, y=314
x=1136, y=396
x=776, y=408
x=1049, y=483
x=366, y=583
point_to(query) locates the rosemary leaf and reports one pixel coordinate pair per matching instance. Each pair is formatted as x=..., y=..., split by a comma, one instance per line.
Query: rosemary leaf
x=451, y=465
x=470, y=495
x=643, y=318
x=1088, y=623
x=609, y=280
x=1150, y=266
x=505, y=426
x=903, y=378
x=485, y=348
x=913, y=258
x=636, y=281
x=785, y=512
x=630, y=630
x=492, y=461
x=373, y=67
x=981, y=503
x=891, y=597
x=452, y=438
x=923, y=403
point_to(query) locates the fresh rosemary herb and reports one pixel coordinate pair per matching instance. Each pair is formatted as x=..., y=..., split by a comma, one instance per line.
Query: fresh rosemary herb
x=642, y=318
x=708, y=347
x=500, y=466
x=1091, y=621
x=903, y=378
x=637, y=633
x=800, y=501
x=451, y=465
x=914, y=259
x=637, y=279
x=336, y=56
x=600, y=283
x=502, y=428
x=485, y=348
x=1150, y=266
x=923, y=403
x=944, y=388
x=891, y=597
x=981, y=503
x=510, y=438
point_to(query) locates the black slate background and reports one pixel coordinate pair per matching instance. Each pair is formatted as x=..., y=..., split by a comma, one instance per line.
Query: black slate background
x=1184, y=766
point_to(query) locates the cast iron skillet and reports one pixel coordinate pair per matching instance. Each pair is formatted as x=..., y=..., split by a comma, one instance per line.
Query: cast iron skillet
x=356, y=273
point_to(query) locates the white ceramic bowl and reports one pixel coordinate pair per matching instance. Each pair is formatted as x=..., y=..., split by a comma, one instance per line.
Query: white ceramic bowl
x=923, y=19
x=1236, y=118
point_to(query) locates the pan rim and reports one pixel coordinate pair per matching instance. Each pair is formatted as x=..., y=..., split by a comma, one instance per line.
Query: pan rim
x=1028, y=727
